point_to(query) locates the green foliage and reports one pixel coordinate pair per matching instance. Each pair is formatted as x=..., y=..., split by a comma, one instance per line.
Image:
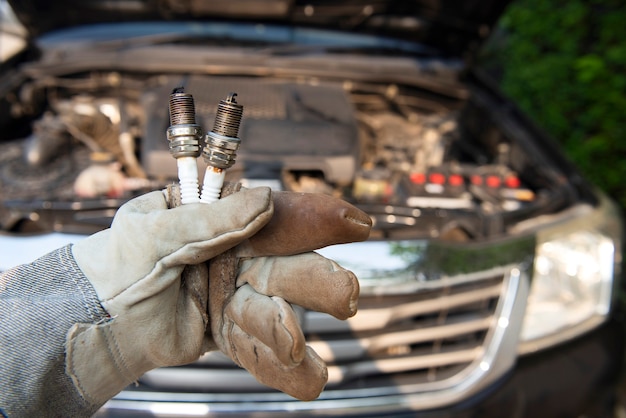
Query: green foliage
x=564, y=63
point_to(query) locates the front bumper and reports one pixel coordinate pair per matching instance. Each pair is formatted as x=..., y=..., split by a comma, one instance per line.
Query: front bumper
x=578, y=378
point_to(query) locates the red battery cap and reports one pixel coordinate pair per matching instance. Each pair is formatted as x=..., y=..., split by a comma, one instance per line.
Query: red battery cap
x=437, y=178
x=493, y=181
x=455, y=180
x=418, y=178
x=513, y=182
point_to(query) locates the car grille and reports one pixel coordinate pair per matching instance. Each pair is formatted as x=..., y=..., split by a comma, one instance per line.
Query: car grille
x=423, y=338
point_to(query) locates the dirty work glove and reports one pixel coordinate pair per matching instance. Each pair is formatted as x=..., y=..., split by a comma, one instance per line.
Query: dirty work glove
x=156, y=319
x=252, y=286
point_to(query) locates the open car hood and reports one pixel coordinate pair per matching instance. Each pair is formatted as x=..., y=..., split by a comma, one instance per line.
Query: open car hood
x=450, y=26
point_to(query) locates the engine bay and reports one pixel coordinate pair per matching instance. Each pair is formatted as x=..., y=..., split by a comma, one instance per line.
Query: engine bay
x=421, y=163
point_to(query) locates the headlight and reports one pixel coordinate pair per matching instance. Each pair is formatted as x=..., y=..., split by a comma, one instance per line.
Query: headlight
x=571, y=283
x=573, y=278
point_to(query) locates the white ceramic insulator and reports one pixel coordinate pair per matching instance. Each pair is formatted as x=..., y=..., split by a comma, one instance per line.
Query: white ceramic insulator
x=188, y=178
x=212, y=185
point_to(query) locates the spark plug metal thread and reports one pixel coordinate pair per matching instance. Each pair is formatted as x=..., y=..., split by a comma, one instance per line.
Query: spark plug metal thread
x=184, y=136
x=221, y=145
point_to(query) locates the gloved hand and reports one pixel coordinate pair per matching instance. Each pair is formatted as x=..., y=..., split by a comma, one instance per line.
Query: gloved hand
x=252, y=285
x=159, y=319
x=135, y=268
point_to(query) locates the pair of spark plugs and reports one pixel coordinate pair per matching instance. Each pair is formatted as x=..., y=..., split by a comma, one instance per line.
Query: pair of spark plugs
x=220, y=145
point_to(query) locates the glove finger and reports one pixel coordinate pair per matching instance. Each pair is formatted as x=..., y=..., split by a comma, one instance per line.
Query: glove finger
x=191, y=234
x=305, y=222
x=305, y=381
x=309, y=280
x=271, y=320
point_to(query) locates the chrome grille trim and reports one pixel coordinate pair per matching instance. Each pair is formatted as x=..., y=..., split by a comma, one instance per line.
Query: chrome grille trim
x=340, y=351
x=380, y=318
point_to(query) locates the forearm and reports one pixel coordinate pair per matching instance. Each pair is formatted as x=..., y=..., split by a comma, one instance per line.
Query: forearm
x=39, y=303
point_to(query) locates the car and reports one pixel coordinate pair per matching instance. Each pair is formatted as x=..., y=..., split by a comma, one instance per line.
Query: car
x=490, y=282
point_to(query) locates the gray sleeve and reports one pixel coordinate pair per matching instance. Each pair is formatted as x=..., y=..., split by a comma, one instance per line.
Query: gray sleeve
x=39, y=303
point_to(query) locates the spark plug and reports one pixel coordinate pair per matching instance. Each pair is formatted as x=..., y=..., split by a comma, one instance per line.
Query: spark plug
x=221, y=145
x=184, y=136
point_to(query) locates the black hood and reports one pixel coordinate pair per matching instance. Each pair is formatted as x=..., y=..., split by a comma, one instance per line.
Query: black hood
x=452, y=26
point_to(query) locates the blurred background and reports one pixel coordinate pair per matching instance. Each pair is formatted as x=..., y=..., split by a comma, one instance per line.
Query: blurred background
x=564, y=63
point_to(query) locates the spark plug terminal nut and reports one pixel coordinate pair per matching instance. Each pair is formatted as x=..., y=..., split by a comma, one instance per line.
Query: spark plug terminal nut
x=184, y=136
x=221, y=145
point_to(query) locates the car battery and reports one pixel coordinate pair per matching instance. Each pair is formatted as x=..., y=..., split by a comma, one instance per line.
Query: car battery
x=436, y=189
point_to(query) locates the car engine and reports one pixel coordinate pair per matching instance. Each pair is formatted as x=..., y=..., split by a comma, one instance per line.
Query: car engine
x=83, y=145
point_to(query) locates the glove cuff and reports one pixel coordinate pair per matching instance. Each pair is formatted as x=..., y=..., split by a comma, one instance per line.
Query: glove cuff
x=95, y=362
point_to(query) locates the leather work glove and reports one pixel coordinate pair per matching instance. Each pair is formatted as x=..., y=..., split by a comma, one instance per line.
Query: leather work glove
x=150, y=275
x=135, y=268
x=252, y=286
